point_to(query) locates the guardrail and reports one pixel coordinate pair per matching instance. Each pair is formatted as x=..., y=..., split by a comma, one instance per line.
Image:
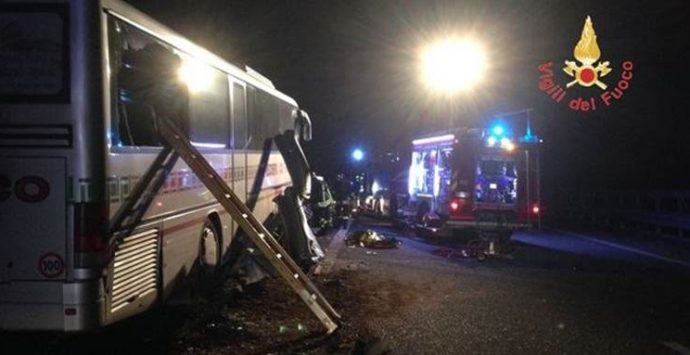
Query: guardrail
x=653, y=212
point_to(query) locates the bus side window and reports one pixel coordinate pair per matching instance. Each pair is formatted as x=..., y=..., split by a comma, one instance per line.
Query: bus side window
x=264, y=121
x=143, y=85
x=209, y=118
x=239, y=117
x=286, y=117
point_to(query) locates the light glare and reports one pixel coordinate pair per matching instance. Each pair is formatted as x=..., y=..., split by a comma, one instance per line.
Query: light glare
x=195, y=74
x=436, y=139
x=357, y=154
x=375, y=187
x=453, y=65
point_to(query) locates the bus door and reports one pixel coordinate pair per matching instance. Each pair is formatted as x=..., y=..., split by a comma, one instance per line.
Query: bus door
x=239, y=139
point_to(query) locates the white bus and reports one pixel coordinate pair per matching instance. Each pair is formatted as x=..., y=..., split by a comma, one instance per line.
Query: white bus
x=75, y=139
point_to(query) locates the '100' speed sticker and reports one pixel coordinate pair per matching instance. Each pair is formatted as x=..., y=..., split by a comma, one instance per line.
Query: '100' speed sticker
x=51, y=265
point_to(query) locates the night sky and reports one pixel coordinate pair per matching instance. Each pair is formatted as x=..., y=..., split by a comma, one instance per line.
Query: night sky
x=353, y=65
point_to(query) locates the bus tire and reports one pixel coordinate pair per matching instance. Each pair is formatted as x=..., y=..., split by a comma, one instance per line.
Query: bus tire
x=208, y=262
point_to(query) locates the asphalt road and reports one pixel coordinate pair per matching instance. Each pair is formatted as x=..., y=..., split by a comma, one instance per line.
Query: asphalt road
x=555, y=293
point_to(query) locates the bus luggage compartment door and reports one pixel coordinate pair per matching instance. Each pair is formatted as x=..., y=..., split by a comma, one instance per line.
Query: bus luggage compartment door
x=32, y=218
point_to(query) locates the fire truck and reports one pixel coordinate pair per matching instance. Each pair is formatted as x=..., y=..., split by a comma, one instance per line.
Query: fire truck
x=480, y=180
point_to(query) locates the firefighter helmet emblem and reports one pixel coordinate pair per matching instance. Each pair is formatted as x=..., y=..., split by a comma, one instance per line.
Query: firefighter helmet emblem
x=587, y=52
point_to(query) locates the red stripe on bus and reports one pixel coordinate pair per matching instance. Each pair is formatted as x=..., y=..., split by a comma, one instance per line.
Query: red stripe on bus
x=198, y=221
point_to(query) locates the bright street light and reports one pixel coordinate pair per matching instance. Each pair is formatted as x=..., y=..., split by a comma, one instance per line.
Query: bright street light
x=453, y=65
x=357, y=154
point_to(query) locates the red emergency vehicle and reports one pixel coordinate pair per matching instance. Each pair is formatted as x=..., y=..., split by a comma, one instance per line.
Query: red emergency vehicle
x=485, y=180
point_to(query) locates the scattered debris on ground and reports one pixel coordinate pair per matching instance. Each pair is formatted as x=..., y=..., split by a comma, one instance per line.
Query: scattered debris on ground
x=479, y=249
x=372, y=240
x=269, y=318
x=262, y=318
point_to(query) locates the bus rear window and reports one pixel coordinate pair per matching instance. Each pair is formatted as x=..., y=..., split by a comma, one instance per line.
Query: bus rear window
x=33, y=53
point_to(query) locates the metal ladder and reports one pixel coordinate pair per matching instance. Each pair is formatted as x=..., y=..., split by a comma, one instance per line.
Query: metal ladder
x=253, y=228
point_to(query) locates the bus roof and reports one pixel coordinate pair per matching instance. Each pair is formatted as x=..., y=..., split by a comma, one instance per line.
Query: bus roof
x=147, y=24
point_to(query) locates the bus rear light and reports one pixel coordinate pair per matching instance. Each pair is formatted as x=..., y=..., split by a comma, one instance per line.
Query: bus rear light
x=90, y=228
x=535, y=209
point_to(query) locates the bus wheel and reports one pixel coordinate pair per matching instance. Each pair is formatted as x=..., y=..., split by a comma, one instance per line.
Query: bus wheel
x=209, y=257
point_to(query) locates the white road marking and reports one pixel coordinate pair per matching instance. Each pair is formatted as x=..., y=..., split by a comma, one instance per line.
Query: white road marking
x=677, y=347
x=627, y=248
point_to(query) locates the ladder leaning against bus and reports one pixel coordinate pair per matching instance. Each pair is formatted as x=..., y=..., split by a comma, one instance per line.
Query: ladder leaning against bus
x=101, y=220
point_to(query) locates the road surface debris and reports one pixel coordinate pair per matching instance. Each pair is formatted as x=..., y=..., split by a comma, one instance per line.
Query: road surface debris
x=371, y=239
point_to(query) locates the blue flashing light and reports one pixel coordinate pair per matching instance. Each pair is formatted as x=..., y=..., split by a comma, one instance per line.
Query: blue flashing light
x=498, y=130
x=357, y=154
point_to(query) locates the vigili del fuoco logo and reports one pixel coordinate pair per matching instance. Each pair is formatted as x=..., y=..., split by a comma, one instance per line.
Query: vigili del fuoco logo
x=587, y=71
